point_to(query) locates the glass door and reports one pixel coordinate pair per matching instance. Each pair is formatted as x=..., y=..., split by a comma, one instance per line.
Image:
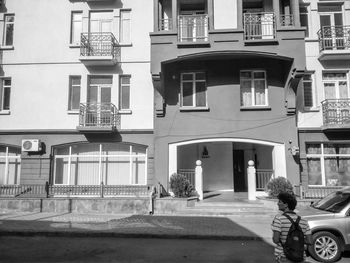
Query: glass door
x=332, y=30
x=100, y=29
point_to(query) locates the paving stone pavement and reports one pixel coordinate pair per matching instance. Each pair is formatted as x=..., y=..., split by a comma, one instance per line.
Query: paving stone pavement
x=130, y=225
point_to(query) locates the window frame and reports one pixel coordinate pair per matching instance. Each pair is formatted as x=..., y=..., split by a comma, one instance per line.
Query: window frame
x=7, y=158
x=120, y=93
x=308, y=20
x=193, y=81
x=2, y=96
x=121, y=30
x=313, y=91
x=71, y=93
x=336, y=82
x=4, y=37
x=254, y=105
x=72, y=27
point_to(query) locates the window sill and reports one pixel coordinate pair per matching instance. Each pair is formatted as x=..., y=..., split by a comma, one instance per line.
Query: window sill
x=7, y=47
x=74, y=46
x=193, y=44
x=194, y=108
x=5, y=112
x=73, y=112
x=125, y=44
x=255, y=108
x=125, y=111
x=311, y=109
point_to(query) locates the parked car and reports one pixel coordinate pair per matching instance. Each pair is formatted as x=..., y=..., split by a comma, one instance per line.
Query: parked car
x=329, y=220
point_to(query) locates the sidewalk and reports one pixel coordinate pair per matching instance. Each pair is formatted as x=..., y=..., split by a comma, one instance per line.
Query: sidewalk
x=127, y=225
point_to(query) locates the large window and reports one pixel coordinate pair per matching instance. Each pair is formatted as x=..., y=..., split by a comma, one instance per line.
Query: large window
x=10, y=164
x=193, y=90
x=76, y=27
x=124, y=92
x=9, y=22
x=253, y=88
x=74, y=93
x=5, y=92
x=308, y=91
x=328, y=164
x=304, y=19
x=92, y=163
x=125, y=27
x=335, y=85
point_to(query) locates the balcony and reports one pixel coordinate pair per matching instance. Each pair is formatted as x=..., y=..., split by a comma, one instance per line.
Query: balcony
x=99, y=49
x=259, y=27
x=336, y=114
x=192, y=28
x=334, y=43
x=98, y=117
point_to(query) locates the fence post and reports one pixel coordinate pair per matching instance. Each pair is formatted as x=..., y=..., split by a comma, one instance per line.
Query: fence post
x=102, y=189
x=251, y=181
x=199, y=179
x=47, y=189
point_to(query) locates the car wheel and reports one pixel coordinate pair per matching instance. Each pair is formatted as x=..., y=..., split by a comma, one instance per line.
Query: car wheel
x=326, y=247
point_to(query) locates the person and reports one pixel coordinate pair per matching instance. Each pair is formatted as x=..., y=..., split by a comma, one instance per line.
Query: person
x=281, y=224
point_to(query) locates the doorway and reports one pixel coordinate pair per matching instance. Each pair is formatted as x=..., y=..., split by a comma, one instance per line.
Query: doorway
x=239, y=180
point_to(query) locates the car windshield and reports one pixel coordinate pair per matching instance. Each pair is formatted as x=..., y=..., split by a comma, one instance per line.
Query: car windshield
x=333, y=202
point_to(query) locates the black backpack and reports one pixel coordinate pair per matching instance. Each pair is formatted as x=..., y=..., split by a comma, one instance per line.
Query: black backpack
x=294, y=246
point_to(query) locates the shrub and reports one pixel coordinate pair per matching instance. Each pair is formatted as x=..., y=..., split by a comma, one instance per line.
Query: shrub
x=180, y=186
x=278, y=185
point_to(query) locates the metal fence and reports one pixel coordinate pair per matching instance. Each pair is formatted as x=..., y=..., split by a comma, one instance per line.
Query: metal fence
x=98, y=115
x=334, y=38
x=259, y=26
x=193, y=28
x=336, y=111
x=99, y=44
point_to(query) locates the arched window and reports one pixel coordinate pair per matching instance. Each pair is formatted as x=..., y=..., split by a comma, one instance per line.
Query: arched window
x=93, y=163
x=10, y=164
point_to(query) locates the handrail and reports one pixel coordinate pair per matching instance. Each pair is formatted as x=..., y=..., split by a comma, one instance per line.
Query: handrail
x=334, y=38
x=336, y=111
x=193, y=28
x=99, y=44
x=98, y=115
x=259, y=26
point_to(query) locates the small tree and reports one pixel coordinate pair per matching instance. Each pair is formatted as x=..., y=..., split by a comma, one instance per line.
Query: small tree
x=180, y=186
x=277, y=185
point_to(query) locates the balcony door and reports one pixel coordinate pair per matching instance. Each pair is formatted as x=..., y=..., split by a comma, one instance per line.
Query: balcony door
x=100, y=28
x=99, y=101
x=193, y=23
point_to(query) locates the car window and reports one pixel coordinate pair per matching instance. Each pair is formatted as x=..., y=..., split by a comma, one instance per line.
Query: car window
x=334, y=202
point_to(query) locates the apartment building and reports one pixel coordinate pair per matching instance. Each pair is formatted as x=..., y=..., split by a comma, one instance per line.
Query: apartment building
x=323, y=115
x=226, y=75
x=76, y=94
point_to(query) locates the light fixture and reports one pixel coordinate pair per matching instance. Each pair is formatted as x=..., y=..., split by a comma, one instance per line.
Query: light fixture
x=205, y=153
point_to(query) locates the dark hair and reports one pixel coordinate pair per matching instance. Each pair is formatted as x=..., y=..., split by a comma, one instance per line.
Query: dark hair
x=288, y=199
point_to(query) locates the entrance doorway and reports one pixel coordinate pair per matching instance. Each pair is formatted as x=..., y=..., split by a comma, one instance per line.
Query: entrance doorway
x=239, y=179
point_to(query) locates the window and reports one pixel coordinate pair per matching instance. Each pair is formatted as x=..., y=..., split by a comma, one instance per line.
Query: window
x=125, y=26
x=308, y=91
x=193, y=90
x=9, y=21
x=76, y=27
x=328, y=164
x=74, y=92
x=124, y=92
x=335, y=85
x=10, y=164
x=304, y=19
x=93, y=163
x=5, y=93
x=253, y=88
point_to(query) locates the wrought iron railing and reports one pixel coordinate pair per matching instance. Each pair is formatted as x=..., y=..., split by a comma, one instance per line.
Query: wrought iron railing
x=189, y=174
x=263, y=176
x=334, y=38
x=165, y=24
x=316, y=192
x=46, y=190
x=287, y=20
x=336, y=111
x=259, y=26
x=98, y=115
x=99, y=44
x=193, y=28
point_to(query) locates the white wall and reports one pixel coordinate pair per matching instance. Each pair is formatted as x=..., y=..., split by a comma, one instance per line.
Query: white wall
x=225, y=14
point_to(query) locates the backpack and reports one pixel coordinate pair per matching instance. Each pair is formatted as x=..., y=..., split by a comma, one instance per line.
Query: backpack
x=294, y=246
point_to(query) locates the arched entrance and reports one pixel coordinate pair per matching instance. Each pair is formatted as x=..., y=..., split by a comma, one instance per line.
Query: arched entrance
x=225, y=160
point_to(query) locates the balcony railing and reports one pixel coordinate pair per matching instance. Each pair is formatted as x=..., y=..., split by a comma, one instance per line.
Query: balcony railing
x=287, y=20
x=193, y=28
x=99, y=45
x=334, y=38
x=259, y=26
x=263, y=176
x=165, y=24
x=98, y=115
x=336, y=112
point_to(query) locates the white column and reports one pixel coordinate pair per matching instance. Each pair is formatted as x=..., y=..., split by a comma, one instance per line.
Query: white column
x=172, y=160
x=279, y=160
x=199, y=179
x=251, y=181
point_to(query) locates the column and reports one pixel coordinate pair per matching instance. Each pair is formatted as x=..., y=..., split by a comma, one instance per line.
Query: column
x=295, y=11
x=251, y=181
x=276, y=10
x=156, y=15
x=174, y=14
x=199, y=179
x=211, y=14
x=240, y=14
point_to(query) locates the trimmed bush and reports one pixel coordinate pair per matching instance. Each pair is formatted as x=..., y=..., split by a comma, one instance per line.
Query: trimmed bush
x=180, y=186
x=278, y=185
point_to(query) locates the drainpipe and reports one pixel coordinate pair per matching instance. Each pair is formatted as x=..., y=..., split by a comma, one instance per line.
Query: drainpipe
x=251, y=181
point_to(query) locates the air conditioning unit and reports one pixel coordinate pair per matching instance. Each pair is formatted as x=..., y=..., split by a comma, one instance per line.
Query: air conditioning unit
x=31, y=145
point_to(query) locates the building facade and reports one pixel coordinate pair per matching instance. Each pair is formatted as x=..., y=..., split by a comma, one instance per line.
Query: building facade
x=76, y=95
x=225, y=76
x=323, y=115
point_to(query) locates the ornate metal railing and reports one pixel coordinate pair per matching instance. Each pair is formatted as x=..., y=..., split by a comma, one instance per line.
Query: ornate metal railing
x=193, y=28
x=336, y=111
x=189, y=174
x=315, y=192
x=259, y=26
x=99, y=44
x=165, y=24
x=46, y=190
x=263, y=176
x=98, y=115
x=334, y=38
x=287, y=20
